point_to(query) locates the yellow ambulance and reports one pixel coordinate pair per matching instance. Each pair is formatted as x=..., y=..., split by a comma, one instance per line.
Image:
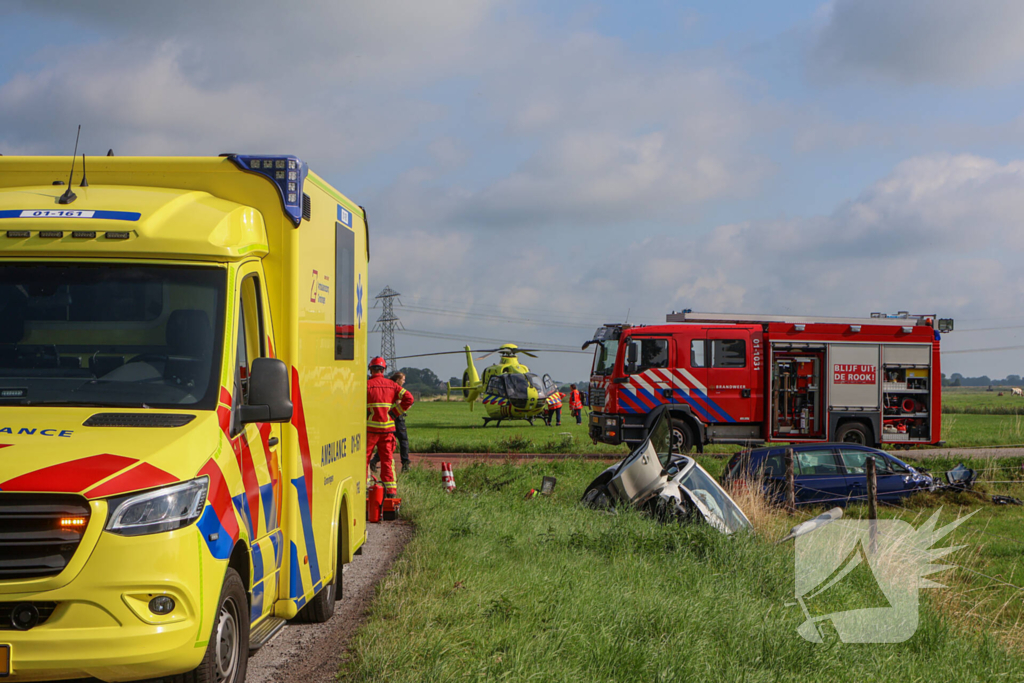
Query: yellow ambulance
x=182, y=410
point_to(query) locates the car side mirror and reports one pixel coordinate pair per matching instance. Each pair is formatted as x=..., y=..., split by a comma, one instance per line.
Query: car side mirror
x=269, y=398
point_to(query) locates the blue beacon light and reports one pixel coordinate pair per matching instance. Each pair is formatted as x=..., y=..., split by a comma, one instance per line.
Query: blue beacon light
x=288, y=173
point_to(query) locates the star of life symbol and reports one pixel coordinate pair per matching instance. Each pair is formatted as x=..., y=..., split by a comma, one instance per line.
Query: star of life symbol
x=359, y=301
x=880, y=565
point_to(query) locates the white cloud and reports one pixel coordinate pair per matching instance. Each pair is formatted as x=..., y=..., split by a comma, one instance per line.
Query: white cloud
x=919, y=41
x=940, y=234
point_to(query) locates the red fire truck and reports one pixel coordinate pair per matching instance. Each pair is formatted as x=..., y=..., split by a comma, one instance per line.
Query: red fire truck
x=747, y=379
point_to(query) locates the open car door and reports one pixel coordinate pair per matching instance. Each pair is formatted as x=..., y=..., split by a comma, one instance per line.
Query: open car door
x=643, y=472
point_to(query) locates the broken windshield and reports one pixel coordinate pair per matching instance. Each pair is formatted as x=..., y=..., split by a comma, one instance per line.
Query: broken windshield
x=718, y=502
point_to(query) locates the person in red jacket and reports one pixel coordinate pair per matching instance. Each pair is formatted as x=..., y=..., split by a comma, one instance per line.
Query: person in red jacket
x=382, y=397
x=576, y=403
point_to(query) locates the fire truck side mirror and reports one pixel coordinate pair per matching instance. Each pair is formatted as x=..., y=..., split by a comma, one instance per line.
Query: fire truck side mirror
x=631, y=357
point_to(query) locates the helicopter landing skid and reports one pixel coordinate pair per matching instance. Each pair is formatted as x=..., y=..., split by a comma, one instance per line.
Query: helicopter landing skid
x=492, y=419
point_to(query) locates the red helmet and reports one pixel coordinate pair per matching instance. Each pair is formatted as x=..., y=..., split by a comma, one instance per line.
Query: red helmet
x=378, y=362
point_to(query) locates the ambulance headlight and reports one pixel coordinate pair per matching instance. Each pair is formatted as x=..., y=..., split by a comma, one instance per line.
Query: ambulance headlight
x=163, y=509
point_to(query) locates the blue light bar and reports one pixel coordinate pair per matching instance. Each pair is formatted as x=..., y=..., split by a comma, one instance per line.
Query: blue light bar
x=288, y=173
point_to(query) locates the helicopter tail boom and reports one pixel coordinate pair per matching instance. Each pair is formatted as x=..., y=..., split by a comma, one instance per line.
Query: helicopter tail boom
x=471, y=385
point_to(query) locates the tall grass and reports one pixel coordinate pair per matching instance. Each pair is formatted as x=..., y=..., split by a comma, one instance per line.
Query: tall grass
x=497, y=587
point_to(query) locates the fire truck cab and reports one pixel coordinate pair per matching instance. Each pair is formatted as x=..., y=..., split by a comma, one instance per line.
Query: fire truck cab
x=754, y=378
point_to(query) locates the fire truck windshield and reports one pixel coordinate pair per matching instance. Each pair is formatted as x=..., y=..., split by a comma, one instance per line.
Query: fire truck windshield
x=604, y=357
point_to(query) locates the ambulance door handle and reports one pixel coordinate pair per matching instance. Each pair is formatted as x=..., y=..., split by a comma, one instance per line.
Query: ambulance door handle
x=272, y=441
x=744, y=393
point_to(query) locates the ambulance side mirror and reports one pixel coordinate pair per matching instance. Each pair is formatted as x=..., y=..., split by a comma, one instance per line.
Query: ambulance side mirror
x=269, y=398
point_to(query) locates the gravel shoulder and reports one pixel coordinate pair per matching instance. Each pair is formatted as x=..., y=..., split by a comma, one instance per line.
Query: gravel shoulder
x=311, y=653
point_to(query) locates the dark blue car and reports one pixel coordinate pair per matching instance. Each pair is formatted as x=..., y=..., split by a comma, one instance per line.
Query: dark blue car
x=827, y=473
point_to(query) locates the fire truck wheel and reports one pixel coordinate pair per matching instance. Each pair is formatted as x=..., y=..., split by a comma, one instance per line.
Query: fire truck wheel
x=682, y=437
x=227, y=654
x=854, y=432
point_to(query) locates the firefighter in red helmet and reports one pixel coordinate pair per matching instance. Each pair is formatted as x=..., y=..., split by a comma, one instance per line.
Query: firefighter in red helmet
x=382, y=397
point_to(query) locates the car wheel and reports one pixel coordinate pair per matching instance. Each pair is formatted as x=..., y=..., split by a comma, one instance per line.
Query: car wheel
x=682, y=437
x=597, y=498
x=854, y=432
x=227, y=653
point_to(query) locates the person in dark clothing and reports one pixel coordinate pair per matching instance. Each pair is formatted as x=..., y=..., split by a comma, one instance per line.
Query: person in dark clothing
x=400, y=433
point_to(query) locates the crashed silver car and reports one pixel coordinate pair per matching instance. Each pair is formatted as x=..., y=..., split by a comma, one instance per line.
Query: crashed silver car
x=667, y=485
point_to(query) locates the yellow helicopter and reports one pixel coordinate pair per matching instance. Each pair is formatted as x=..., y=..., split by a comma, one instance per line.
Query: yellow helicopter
x=508, y=390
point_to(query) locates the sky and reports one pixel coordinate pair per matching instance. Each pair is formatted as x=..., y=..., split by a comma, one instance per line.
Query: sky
x=532, y=170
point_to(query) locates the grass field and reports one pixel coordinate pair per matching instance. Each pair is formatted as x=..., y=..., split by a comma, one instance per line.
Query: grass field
x=495, y=587
x=441, y=427
x=979, y=401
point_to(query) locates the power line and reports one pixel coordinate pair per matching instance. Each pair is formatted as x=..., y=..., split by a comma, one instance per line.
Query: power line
x=490, y=340
x=498, y=318
x=996, y=348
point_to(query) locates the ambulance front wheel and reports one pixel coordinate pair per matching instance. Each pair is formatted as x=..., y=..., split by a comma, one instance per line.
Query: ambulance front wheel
x=227, y=654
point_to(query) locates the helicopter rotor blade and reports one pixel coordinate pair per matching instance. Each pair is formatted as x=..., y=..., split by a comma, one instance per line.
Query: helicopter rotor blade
x=527, y=353
x=441, y=353
x=424, y=355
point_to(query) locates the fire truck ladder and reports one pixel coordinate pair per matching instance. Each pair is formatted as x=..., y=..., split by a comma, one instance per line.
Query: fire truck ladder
x=902, y=319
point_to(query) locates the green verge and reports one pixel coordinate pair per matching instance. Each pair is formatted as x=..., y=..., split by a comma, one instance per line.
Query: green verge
x=451, y=427
x=496, y=587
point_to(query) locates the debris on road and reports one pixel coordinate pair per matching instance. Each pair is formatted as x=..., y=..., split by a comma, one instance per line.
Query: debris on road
x=813, y=524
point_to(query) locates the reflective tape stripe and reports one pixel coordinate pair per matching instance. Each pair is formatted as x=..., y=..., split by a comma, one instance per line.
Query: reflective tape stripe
x=378, y=405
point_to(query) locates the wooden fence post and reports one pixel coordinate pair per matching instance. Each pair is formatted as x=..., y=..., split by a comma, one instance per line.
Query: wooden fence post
x=872, y=488
x=790, y=482
x=869, y=466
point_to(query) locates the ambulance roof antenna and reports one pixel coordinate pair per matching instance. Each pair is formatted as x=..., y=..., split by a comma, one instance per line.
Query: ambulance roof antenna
x=85, y=183
x=68, y=195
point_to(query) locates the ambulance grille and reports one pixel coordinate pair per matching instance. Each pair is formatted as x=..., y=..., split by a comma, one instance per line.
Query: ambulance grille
x=307, y=207
x=596, y=396
x=32, y=543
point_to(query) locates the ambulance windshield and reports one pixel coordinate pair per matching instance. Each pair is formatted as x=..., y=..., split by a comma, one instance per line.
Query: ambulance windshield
x=110, y=335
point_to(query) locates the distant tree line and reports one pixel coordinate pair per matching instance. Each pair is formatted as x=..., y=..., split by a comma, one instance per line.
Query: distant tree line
x=958, y=380
x=423, y=382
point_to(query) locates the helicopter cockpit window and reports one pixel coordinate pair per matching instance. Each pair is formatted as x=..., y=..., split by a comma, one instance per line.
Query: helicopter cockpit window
x=537, y=383
x=497, y=386
x=549, y=386
x=517, y=386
